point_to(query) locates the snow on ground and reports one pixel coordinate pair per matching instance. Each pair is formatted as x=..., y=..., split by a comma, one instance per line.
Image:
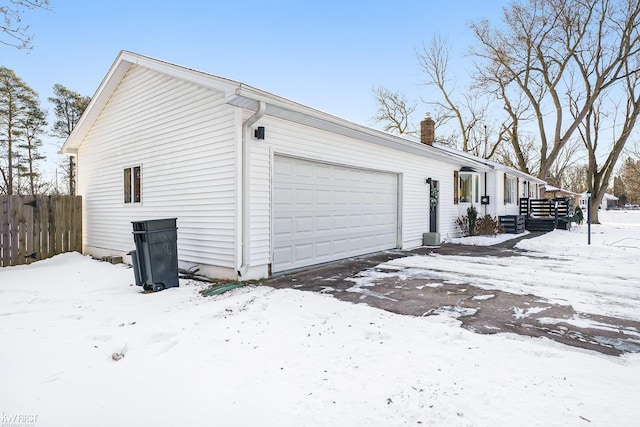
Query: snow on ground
x=483, y=240
x=599, y=278
x=259, y=356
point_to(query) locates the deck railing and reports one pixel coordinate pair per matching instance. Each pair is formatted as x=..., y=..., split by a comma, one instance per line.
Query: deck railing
x=546, y=214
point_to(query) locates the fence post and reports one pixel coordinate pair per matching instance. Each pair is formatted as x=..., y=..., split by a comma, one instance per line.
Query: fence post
x=5, y=231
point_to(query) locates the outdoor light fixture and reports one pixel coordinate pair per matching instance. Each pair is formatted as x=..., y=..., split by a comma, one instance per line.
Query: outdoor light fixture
x=588, y=217
x=259, y=132
x=428, y=181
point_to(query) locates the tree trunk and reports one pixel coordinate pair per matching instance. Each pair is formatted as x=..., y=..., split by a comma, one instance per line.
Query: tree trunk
x=595, y=202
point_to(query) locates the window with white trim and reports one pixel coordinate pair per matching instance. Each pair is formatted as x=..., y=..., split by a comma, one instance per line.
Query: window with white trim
x=510, y=190
x=133, y=184
x=469, y=187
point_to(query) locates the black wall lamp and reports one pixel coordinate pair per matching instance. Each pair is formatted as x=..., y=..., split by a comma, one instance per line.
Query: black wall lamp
x=259, y=132
x=428, y=181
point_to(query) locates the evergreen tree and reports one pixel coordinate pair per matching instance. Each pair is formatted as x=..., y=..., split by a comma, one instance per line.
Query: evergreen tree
x=629, y=180
x=68, y=108
x=33, y=124
x=17, y=103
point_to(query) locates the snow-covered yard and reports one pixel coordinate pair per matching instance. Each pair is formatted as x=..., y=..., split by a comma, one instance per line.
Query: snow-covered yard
x=260, y=356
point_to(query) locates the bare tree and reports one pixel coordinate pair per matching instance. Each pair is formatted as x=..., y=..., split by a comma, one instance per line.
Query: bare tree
x=394, y=111
x=15, y=30
x=562, y=172
x=468, y=111
x=563, y=57
x=574, y=178
x=591, y=131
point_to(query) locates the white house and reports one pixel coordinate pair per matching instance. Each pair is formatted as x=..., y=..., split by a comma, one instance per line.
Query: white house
x=260, y=184
x=503, y=186
x=608, y=201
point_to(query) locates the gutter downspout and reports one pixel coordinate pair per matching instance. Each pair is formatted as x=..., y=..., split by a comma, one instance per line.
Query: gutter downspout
x=486, y=207
x=246, y=186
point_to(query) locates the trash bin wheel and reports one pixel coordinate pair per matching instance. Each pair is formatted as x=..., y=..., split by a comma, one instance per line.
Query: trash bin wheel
x=158, y=287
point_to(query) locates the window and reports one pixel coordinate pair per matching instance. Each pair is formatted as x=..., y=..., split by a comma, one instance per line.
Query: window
x=132, y=185
x=469, y=187
x=510, y=189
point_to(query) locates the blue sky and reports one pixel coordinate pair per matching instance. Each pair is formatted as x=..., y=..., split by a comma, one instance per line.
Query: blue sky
x=328, y=55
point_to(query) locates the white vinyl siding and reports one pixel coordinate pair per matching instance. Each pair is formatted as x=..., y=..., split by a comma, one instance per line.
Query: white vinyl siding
x=290, y=139
x=184, y=136
x=499, y=207
x=184, y=129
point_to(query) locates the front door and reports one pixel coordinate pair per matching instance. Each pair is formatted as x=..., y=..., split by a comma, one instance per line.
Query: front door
x=433, y=207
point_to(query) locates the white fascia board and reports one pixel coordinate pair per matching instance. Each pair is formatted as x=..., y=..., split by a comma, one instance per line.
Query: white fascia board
x=247, y=97
x=519, y=174
x=106, y=88
x=493, y=165
x=201, y=78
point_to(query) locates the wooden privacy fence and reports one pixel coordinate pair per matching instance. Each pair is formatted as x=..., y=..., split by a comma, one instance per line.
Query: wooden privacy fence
x=545, y=208
x=546, y=214
x=38, y=227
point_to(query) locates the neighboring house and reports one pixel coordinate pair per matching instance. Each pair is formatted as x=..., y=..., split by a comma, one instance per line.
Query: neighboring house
x=551, y=192
x=260, y=184
x=608, y=201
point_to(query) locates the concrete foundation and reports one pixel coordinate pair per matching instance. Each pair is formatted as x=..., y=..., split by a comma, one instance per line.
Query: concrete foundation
x=431, y=239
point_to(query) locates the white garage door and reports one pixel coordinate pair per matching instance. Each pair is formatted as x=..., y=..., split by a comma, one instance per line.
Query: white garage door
x=324, y=212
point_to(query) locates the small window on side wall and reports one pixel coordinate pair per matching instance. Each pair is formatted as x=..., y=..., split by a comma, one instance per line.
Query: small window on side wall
x=132, y=185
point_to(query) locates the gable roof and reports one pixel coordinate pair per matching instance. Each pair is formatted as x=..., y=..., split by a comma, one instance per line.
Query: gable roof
x=242, y=95
x=493, y=165
x=552, y=189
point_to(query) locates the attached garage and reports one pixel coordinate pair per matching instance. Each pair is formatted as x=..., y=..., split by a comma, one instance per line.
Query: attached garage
x=259, y=183
x=323, y=212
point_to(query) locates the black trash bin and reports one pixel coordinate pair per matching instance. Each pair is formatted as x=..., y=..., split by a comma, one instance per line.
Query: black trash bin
x=155, y=260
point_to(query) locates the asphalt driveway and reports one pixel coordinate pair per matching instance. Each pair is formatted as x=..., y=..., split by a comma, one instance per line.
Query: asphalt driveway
x=477, y=309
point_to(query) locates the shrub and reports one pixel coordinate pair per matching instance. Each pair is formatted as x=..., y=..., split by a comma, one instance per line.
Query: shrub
x=579, y=215
x=472, y=214
x=488, y=226
x=463, y=223
x=471, y=225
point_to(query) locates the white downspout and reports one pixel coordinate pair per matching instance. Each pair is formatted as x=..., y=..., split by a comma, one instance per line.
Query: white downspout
x=246, y=186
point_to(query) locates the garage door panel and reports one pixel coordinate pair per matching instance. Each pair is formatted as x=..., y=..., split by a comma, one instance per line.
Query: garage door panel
x=323, y=249
x=283, y=226
x=323, y=197
x=304, y=224
x=333, y=212
x=323, y=223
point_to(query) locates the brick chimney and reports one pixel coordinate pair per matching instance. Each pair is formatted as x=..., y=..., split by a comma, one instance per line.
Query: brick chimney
x=427, y=130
